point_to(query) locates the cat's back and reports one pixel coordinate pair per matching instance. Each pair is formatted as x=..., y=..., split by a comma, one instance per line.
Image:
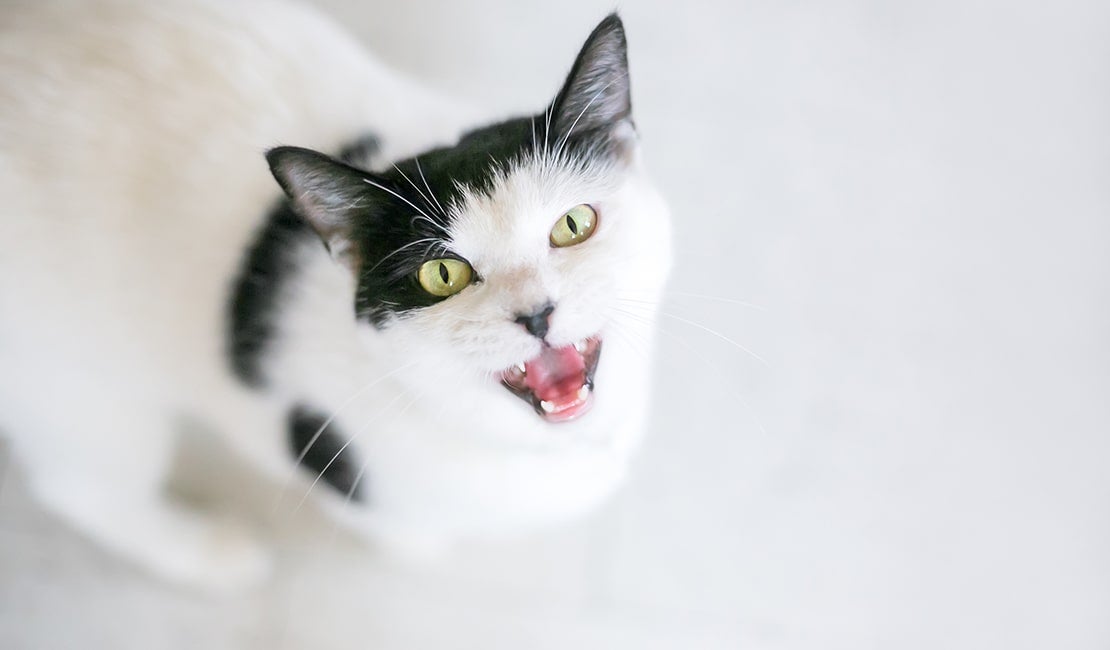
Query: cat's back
x=131, y=160
x=122, y=103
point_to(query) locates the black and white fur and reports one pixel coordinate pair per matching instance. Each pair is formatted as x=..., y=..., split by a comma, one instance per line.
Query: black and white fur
x=151, y=269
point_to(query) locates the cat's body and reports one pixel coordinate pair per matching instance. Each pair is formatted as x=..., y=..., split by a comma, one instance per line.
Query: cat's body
x=150, y=271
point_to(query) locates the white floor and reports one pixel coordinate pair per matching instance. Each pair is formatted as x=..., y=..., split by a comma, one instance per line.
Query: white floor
x=917, y=196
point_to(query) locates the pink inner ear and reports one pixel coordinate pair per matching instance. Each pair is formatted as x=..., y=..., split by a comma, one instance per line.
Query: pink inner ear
x=556, y=375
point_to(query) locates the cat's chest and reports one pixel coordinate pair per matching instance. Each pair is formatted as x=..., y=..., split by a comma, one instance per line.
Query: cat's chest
x=456, y=475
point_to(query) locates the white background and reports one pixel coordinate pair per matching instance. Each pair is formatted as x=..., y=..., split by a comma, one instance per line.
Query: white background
x=915, y=195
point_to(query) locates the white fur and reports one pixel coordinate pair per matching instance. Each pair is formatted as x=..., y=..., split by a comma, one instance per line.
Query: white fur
x=131, y=141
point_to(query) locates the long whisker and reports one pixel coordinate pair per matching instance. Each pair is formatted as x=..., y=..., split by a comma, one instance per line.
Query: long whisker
x=320, y=431
x=703, y=296
x=730, y=301
x=434, y=226
x=547, y=127
x=386, y=189
x=747, y=405
x=533, y=120
x=433, y=194
x=343, y=448
x=636, y=341
x=419, y=191
x=708, y=331
x=431, y=240
x=366, y=464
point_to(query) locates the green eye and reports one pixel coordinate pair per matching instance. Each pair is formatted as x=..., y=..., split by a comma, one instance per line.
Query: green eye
x=574, y=227
x=444, y=277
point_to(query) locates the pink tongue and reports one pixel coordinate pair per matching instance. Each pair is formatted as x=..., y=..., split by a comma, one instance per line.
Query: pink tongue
x=556, y=375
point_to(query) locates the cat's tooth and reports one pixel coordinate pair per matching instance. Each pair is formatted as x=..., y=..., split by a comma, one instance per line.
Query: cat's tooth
x=521, y=368
x=580, y=346
x=583, y=392
x=547, y=406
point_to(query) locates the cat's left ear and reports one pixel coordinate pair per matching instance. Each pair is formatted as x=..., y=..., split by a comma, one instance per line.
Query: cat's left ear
x=329, y=195
x=595, y=104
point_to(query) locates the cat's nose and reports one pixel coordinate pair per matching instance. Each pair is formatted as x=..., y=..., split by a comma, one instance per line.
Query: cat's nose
x=538, y=321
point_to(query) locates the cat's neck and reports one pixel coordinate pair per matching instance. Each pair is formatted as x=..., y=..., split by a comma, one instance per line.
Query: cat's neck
x=290, y=300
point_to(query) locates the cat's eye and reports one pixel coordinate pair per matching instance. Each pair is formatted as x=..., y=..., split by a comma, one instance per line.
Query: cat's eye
x=574, y=227
x=444, y=277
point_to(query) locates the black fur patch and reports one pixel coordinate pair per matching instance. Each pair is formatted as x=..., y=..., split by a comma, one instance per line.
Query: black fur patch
x=396, y=220
x=399, y=219
x=431, y=182
x=385, y=225
x=324, y=454
x=267, y=267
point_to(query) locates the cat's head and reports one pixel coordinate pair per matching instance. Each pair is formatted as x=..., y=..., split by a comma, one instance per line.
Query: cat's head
x=508, y=251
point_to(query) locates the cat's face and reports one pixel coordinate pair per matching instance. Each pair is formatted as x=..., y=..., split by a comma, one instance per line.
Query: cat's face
x=508, y=252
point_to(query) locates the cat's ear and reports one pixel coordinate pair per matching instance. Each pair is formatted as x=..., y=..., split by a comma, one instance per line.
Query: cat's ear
x=329, y=195
x=595, y=102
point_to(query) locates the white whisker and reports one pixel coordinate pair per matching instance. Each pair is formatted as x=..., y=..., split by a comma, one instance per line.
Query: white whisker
x=636, y=341
x=350, y=439
x=366, y=463
x=320, y=431
x=701, y=358
x=419, y=191
x=433, y=240
x=708, y=331
x=386, y=189
x=702, y=296
x=433, y=194
x=435, y=226
x=547, y=128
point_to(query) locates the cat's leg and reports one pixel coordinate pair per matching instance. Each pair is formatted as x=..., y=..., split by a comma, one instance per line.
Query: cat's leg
x=313, y=456
x=103, y=470
x=253, y=425
x=304, y=452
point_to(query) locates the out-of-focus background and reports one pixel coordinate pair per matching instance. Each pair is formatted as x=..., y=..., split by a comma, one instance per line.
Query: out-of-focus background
x=916, y=196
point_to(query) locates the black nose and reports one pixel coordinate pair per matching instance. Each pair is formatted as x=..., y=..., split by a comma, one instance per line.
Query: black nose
x=538, y=321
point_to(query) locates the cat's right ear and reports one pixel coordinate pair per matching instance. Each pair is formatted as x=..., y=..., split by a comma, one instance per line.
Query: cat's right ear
x=595, y=103
x=329, y=195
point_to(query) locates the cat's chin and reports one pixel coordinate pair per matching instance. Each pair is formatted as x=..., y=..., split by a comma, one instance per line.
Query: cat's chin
x=559, y=382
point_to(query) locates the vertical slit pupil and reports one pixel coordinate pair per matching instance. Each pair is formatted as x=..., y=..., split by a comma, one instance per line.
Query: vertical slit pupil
x=570, y=224
x=443, y=274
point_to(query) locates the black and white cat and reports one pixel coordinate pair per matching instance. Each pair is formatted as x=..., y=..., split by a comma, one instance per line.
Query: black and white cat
x=427, y=329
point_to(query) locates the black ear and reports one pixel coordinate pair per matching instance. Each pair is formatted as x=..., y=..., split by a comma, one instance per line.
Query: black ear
x=595, y=99
x=326, y=193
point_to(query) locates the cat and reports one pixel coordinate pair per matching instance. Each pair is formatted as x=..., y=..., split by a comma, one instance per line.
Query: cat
x=418, y=326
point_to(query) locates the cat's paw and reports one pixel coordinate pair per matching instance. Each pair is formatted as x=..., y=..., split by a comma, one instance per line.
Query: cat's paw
x=235, y=560
x=177, y=543
x=223, y=557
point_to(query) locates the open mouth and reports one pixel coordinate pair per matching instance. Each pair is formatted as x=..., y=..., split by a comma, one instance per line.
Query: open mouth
x=559, y=383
